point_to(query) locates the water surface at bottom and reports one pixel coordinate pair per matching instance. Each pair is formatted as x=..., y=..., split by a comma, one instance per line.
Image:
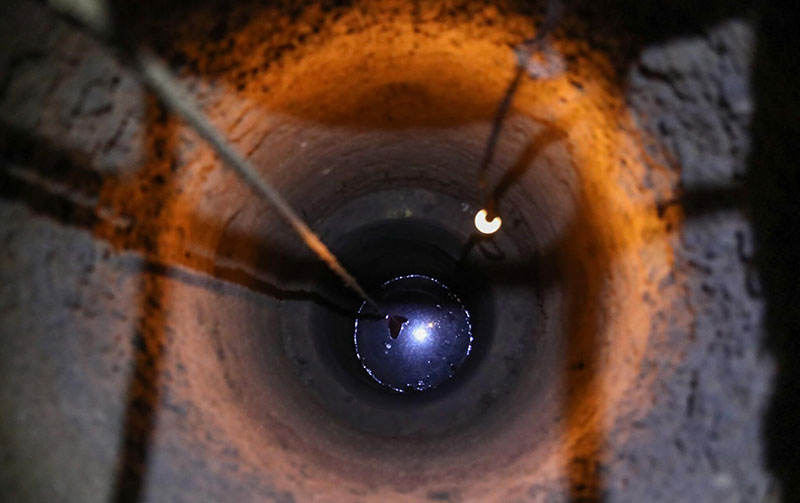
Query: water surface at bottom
x=422, y=342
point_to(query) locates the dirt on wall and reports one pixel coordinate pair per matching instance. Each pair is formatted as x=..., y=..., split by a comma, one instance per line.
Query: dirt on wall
x=143, y=316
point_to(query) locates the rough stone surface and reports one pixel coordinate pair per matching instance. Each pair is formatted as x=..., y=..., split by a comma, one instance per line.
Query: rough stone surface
x=116, y=292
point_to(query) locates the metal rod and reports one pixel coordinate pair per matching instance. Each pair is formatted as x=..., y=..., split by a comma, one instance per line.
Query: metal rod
x=160, y=80
x=94, y=15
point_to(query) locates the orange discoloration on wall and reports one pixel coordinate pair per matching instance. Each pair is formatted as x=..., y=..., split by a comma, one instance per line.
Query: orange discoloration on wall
x=383, y=68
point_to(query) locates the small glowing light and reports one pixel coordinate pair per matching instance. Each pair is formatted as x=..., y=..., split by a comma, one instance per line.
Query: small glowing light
x=484, y=226
x=420, y=334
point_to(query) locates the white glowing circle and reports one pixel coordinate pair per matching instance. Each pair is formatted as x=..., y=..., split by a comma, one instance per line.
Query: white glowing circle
x=484, y=226
x=420, y=334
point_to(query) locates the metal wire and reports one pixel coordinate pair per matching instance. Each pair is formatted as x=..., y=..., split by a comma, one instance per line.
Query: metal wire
x=524, y=51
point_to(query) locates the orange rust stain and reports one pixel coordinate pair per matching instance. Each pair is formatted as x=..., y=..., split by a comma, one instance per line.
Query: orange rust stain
x=384, y=66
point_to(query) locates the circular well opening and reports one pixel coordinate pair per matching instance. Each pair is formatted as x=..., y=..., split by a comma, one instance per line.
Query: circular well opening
x=415, y=337
x=383, y=252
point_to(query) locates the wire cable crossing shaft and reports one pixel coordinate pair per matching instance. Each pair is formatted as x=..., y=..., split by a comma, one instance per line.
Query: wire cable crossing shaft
x=94, y=15
x=159, y=79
